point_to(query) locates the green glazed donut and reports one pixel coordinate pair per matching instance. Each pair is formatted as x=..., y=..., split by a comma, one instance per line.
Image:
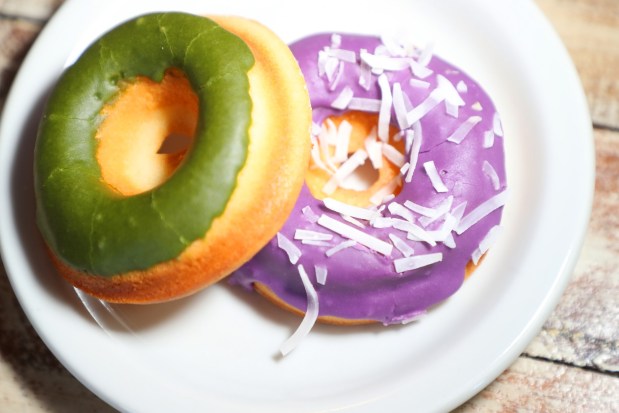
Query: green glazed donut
x=84, y=222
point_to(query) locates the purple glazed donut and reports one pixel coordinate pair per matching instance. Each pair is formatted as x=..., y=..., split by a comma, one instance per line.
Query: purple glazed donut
x=391, y=261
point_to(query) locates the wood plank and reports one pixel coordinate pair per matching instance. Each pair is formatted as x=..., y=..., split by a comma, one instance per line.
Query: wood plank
x=584, y=328
x=536, y=386
x=590, y=30
x=16, y=36
x=31, y=379
x=32, y=9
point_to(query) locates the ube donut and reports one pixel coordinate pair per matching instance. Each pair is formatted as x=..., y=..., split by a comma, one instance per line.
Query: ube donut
x=126, y=224
x=411, y=240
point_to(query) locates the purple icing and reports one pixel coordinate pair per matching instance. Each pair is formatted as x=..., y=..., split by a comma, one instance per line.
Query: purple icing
x=361, y=283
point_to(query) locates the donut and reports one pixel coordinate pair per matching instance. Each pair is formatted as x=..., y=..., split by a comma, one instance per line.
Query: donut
x=388, y=248
x=127, y=224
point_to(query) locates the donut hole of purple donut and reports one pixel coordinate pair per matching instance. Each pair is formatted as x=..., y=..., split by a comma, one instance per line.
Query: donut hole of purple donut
x=345, y=165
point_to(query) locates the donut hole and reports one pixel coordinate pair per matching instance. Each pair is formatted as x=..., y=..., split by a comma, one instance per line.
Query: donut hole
x=146, y=132
x=175, y=143
x=362, y=178
x=366, y=184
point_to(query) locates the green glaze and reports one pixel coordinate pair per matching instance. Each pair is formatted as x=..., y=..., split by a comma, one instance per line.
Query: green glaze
x=87, y=224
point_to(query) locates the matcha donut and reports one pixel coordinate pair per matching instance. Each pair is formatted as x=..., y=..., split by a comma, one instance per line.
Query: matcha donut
x=127, y=224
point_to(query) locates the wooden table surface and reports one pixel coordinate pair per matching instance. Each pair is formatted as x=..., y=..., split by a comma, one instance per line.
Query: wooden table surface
x=571, y=366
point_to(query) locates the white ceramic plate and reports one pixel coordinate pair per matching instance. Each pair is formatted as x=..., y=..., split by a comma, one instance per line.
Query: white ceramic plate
x=215, y=351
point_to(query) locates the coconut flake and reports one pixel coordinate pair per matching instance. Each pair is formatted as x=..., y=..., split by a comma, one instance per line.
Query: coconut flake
x=384, y=115
x=361, y=237
x=451, y=93
x=451, y=109
x=483, y=210
x=463, y=130
x=401, y=211
x=336, y=40
x=306, y=234
x=374, y=150
x=449, y=241
x=417, y=83
x=449, y=224
x=344, y=55
x=422, y=210
x=416, y=261
x=401, y=245
x=434, y=176
x=365, y=76
x=382, y=222
x=441, y=209
x=311, y=315
x=382, y=62
x=497, y=126
x=321, y=274
x=350, y=210
x=328, y=134
x=485, y=244
x=315, y=152
x=343, y=99
x=342, y=140
x=462, y=87
x=333, y=83
x=436, y=96
x=488, y=139
x=316, y=243
x=394, y=156
x=477, y=107
x=381, y=195
x=490, y=238
x=426, y=54
x=309, y=214
x=339, y=247
x=491, y=173
x=316, y=128
x=365, y=105
x=417, y=233
x=399, y=106
x=353, y=221
x=331, y=65
x=404, y=168
x=419, y=70
x=285, y=244
x=414, y=152
x=357, y=159
x=458, y=212
x=327, y=65
x=393, y=47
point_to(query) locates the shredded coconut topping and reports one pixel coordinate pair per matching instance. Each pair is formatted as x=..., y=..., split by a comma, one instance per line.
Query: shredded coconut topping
x=490, y=172
x=434, y=176
x=343, y=99
x=354, y=234
x=285, y=244
x=311, y=315
x=416, y=261
x=321, y=274
x=306, y=234
x=482, y=211
x=463, y=130
x=339, y=247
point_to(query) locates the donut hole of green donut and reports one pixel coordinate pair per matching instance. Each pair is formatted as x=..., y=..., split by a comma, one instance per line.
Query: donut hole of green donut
x=145, y=117
x=208, y=212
